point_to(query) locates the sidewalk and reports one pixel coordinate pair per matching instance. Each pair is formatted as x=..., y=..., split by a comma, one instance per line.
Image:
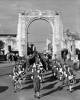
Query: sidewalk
x=6, y=68
x=6, y=64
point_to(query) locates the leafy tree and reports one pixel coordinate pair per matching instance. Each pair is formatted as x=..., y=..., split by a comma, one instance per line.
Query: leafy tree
x=1, y=45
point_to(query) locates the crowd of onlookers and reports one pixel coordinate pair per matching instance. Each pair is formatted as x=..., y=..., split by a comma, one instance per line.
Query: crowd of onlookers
x=12, y=56
x=46, y=58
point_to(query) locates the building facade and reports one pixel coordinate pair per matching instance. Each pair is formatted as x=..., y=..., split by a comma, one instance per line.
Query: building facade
x=9, y=41
x=71, y=42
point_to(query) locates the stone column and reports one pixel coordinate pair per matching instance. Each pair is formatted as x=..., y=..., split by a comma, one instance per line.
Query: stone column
x=21, y=34
x=57, y=35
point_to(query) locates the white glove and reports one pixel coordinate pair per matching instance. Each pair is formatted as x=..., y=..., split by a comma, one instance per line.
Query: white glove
x=31, y=77
x=39, y=77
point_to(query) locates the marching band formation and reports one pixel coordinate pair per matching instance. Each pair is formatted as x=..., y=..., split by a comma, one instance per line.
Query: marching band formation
x=62, y=71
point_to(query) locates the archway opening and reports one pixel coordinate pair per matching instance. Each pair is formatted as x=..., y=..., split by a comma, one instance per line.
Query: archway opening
x=40, y=34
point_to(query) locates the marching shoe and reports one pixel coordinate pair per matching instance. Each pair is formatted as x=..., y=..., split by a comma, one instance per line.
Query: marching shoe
x=35, y=96
x=70, y=89
x=38, y=95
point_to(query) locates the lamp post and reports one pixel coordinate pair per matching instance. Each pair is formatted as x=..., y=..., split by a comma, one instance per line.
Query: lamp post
x=27, y=41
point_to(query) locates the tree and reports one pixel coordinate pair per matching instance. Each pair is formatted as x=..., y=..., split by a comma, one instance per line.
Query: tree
x=1, y=45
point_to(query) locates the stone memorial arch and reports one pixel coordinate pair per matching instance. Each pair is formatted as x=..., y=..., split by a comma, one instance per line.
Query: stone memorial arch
x=24, y=21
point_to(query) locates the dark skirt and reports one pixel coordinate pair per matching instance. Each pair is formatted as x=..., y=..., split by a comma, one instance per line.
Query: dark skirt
x=36, y=84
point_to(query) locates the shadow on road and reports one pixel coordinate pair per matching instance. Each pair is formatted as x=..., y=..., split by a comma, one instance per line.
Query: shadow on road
x=49, y=79
x=76, y=88
x=28, y=87
x=78, y=85
x=50, y=86
x=3, y=88
x=28, y=82
x=51, y=91
x=77, y=80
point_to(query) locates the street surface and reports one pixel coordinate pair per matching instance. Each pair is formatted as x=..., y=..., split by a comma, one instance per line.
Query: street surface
x=50, y=89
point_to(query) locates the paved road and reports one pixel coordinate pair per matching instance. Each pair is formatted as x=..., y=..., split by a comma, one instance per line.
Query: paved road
x=50, y=90
x=6, y=68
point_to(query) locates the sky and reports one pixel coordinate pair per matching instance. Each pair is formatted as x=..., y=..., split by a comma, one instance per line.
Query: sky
x=9, y=9
x=70, y=11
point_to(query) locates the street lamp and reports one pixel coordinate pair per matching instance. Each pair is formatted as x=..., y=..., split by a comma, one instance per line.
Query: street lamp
x=27, y=41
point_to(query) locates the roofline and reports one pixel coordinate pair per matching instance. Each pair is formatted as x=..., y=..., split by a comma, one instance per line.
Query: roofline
x=13, y=35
